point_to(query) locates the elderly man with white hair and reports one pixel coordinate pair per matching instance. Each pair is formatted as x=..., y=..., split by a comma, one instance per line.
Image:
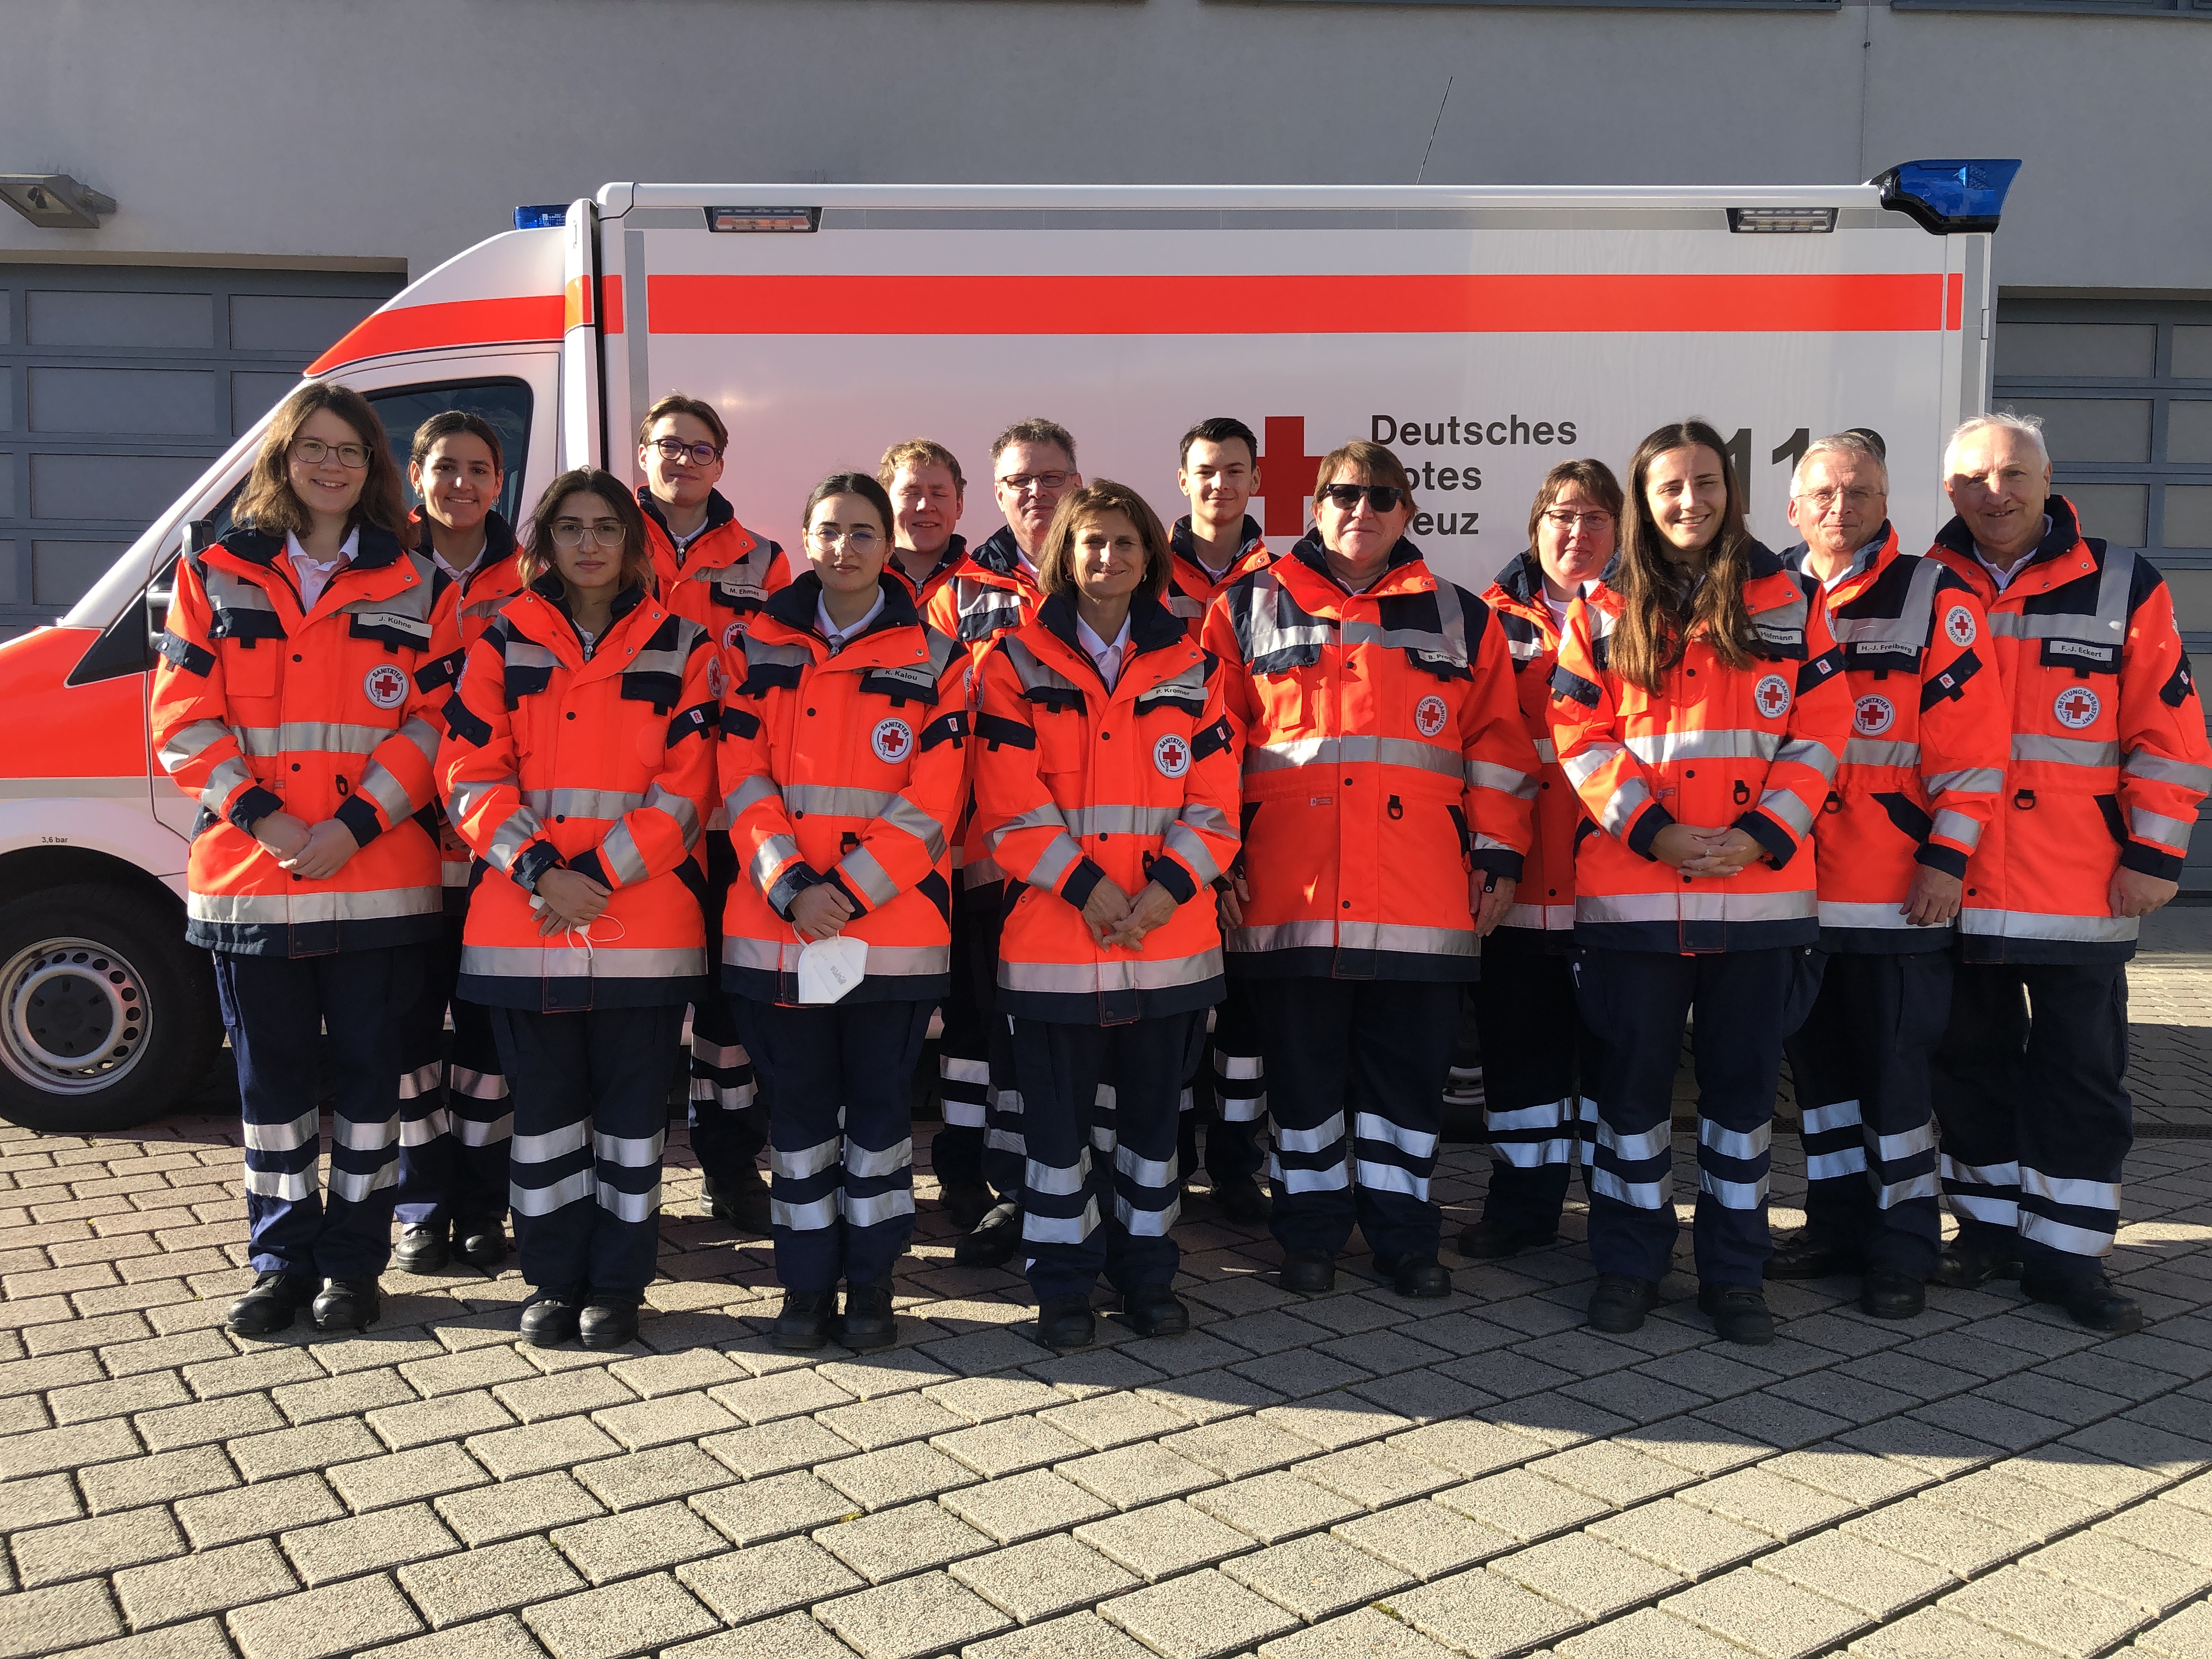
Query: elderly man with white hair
x=2108, y=763
x=1918, y=781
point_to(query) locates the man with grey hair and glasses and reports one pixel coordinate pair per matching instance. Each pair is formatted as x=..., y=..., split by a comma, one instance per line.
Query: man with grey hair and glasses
x=1916, y=783
x=2108, y=762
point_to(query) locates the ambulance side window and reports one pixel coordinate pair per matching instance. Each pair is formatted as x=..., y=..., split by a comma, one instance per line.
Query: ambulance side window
x=504, y=403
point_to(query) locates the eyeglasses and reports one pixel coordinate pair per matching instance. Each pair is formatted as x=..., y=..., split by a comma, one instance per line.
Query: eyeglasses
x=1560, y=520
x=1384, y=498
x=1020, y=484
x=861, y=539
x=675, y=449
x=1822, y=500
x=569, y=534
x=311, y=451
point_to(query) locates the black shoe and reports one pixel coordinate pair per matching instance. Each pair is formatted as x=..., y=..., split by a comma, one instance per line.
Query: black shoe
x=549, y=1318
x=995, y=1238
x=271, y=1305
x=480, y=1243
x=1739, y=1313
x=1619, y=1303
x=1807, y=1258
x=1968, y=1263
x=1886, y=1293
x=607, y=1320
x=867, y=1321
x=741, y=1200
x=1309, y=1272
x=1065, y=1322
x=967, y=1202
x=2089, y=1299
x=1155, y=1311
x=346, y=1305
x=1421, y=1276
x=421, y=1248
x=803, y=1323
x=1242, y=1201
x=1480, y=1241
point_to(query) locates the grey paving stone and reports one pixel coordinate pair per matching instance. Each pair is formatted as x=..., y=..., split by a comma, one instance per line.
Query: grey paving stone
x=1470, y=1448
x=1698, y=1443
x=979, y=1353
x=899, y=1475
x=323, y=1624
x=891, y=1544
x=873, y=1376
x=1424, y=1540
x=1844, y=1567
x=1024, y=1506
x=1692, y=1543
x=785, y=1394
x=1297, y=1372
x=1201, y=1617
x=504, y=1637
x=448, y=1417
x=925, y=1615
x=1782, y=1423
x=213, y=1581
x=1274, y=1507
x=642, y=1540
x=638, y=1479
x=1941, y=1452
x=658, y=1375
x=2066, y=1617
x=1635, y=1396
x=367, y=1543
x=258, y=1511
x=1164, y=1540
x=2158, y=1583
x=1272, y=1331
x=163, y=1478
x=1524, y=1504
x=871, y=1424
x=988, y=1399
x=1651, y=1634
x=1860, y=1477
x=1932, y=1633
x=2020, y=1506
x=103, y=1544
x=1422, y=1396
x=1376, y=1476
x=621, y=1619
x=94, y=1398
x=1131, y=1477
x=296, y=1451
x=251, y=1372
x=778, y=1448
x=1772, y=1619
x=1505, y=1374
x=489, y=1514
x=1482, y=1615
x=1366, y=1634
x=793, y=1636
x=742, y=1585
x=2169, y=1529
x=51, y=1450
x=1619, y=1475
x=1994, y=1421
x=1008, y=1446
x=1781, y=1508
x=2093, y=1480
x=761, y=1510
x=1240, y=1446
x=2135, y=1438
x=1104, y=1421
x=1078, y=1636
x=1334, y=1419
x=2185, y=1636
x=1102, y=1371
x=1318, y=1575
x=535, y=1448
x=499, y=1578
x=478, y=1368
x=354, y=1395
x=403, y=1477
x=1585, y=1573
x=1044, y=1578
x=67, y=1615
x=202, y=1639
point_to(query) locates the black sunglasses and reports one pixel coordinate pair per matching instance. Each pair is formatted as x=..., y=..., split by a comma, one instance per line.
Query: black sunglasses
x=1384, y=498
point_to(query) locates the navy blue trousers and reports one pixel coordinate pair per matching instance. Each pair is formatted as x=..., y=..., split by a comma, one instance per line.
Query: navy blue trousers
x=1635, y=1002
x=277, y=1010
x=1538, y=1063
x=1356, y=1071
x=728, y=1119
x=591, y=1118
x=1228, y=1094
x=455, y=1120
x=963, y=1049
x=1101, y=1187
x=840, y=1136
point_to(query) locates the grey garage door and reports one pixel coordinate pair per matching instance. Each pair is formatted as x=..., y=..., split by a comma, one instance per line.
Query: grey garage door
x=118, y=385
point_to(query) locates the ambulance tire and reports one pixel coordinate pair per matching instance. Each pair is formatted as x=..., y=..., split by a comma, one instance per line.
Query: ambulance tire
x=107, y=1017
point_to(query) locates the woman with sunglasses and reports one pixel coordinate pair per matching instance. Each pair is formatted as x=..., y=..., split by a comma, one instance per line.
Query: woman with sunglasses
x=291, y=701
x=1387, y=786
x=1699, y=708
x=842, y=771
x=1537, y=1056
x=577, y=762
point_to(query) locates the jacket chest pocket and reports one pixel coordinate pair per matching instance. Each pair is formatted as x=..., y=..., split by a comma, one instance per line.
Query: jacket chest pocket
x=249, y=667
x=1063, y=739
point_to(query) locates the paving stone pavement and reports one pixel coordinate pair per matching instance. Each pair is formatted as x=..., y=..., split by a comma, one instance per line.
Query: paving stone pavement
x=1348, y=1475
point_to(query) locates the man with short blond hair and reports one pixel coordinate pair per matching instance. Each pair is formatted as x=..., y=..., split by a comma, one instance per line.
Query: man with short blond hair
x=928, y=495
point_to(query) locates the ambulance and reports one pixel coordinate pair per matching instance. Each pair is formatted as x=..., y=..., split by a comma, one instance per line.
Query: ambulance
x=1483, y=332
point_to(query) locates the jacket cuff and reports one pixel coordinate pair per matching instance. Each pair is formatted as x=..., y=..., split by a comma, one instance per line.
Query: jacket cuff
x=836, y=879
x=1176, y=881
x=359, y=817
x=1502, y=862
x=1781, y=846
x=1648, y=823
x=586, y=863
x=2147, y=860
x=790, y=884
x=531, y=862
x=1077, y=889
x=252, y=806
x=1949, y=859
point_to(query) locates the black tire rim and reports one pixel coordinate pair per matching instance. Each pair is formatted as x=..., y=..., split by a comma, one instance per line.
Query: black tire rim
x=76, y=1020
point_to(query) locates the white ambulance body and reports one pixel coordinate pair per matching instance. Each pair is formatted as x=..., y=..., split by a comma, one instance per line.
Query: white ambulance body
x=1484, y=333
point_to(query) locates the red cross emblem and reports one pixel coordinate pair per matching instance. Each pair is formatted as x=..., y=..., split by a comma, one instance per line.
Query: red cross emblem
x=1873, y=715
x=1287, y=475
x=2077, y=707
x=891, y=739
x=1773, y=696
x=386, y=686
x=1171, y=754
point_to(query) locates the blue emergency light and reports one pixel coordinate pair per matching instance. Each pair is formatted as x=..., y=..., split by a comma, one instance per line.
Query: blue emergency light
x=1944, y=196
x=552, y=215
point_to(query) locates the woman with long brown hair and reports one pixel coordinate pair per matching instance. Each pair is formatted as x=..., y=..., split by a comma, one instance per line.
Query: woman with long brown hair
x=1699, y=709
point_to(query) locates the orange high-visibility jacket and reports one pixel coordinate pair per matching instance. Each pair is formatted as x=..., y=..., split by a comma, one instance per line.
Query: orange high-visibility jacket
x=1926, y=755
x=2109, y=759
x=1191, y=591
x=948, y=565
x=1755, y=748
x=258, y=708
x=991, y=592
x=1384, y=761
x=1544, y=904
x=463, y=609
x=1075, y=784
x=843, y=767
x=603, y=766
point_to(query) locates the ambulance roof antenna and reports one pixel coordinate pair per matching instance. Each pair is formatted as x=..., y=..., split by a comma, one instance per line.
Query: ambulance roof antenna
x=1439, y=121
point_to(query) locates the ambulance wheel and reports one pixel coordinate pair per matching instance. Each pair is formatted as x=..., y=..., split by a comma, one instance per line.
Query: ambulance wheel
x=107, y=1017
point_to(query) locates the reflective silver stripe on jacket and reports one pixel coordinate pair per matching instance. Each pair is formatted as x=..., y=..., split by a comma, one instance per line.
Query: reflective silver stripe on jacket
x=308, y=905
x=1877, y=751
x=187, y=742
x=389, y=795
x=1972, y=780
x=1957, y=826
x=1719, y=743
x=1910, y=629
x=1034, y=673
x=2164, y=768
x=827, y=798
x=758, y=787
x=2033, y=924
x=775, y=655
x=1444, y=759
x=1694, y=904
x=1117, y=973
x=230, y=775
x=889, y=961
x=2064, y=752
x=1885, y=915
x=321, y=737
x=1260, y=605
x=2146, y=825
x=2110, y=618
x=1807, y=751
x=770, y=860
x=1488, y=774
x=1356, y=936
x=581, y=803
x=558, y=960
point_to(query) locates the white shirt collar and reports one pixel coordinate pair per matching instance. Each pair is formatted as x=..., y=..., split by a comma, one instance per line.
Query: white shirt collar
x=2003, y=578
x=1107, y=658
x=839, y=638
x=314, y=575
x=1860, y=561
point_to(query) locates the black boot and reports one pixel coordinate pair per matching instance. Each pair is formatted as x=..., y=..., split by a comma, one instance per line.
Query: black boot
x=549, y=1318
x=1242, y=1201
x=1618, y=1302
x=1309, y=1272
x=1886, y=1293
x=1065, y=1322
x=741, y=1199
x=868, y=1321
x=2089, y=1299
x=966, y=1202
x=995, y=1239
x=271, y=1305
x=346, y=1305
x=421, y=1248
x=803, y=1324
x=481, y=1242
x=1419, y=1276
x=1739, y=1313
x=1807, y=1257
x=1155, y=1311
x=608, y=1318
x=1484, y=1241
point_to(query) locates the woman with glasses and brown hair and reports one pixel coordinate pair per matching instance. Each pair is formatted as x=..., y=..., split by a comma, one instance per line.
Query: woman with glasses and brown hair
x=577, y=764
x=1537, y=1057
x=1105, y=788
x=1387, y=784
x=291, y=701
x=1699, y=709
